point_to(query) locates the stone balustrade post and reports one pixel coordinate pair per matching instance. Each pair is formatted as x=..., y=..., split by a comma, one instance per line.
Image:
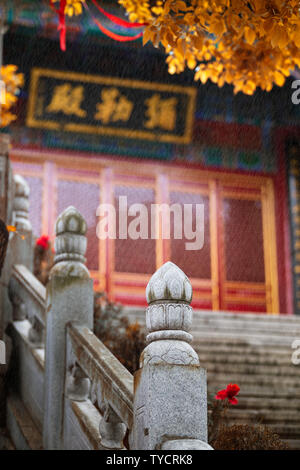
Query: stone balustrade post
x=170, y=401
x=69, y=299
x=6, y=180
x=21, y=243
x=19, y=250
x=6, y=201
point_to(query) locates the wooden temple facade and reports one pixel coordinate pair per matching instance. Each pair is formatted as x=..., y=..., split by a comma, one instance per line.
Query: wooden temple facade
x=102, y=120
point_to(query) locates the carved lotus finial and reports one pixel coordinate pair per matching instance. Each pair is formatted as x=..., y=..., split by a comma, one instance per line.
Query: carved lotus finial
x=70, y=220
x=169, y=283
x=21, y=204
x=21, y=187
x=70, y=241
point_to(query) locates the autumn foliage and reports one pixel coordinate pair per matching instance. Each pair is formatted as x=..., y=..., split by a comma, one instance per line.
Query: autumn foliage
x=13, y=81
x=124, y=339
x=248, y=44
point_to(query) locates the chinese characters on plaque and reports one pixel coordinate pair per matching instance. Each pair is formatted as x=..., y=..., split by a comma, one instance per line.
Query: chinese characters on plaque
x=74, y=102
x=293, y=163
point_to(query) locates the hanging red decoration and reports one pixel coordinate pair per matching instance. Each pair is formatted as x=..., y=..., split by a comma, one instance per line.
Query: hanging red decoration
x=62, y=22
x=116, y=37
x=116, y=19
x=71, y=7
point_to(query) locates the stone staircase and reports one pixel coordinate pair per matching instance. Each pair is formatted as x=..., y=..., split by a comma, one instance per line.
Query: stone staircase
x=255, y=352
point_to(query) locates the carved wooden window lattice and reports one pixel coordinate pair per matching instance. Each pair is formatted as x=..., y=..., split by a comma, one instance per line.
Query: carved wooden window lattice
x=237, y=267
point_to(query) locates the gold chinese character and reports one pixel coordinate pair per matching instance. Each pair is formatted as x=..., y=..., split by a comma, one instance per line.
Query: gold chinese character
x=67, y=99
x=161, y=113
x=113, y=107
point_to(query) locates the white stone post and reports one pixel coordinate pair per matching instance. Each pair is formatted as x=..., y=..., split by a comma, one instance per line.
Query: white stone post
x=19, y=250
x=6, y=181
x=170, y=403
x=6, y=200
x=21, y=244
x=69, y=299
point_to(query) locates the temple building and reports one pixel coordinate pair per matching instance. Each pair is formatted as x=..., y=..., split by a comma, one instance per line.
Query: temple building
x=104, y=119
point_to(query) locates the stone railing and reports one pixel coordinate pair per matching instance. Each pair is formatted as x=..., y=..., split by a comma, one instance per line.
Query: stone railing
x=93, y=372
x=75, y=392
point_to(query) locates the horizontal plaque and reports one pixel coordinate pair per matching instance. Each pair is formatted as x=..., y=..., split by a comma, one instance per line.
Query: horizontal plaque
x=92, y=104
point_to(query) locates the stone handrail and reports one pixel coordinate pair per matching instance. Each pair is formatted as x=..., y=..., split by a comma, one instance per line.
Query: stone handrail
x=28, y=298
x=83, y=394
x=31, y=287
x=110, y=380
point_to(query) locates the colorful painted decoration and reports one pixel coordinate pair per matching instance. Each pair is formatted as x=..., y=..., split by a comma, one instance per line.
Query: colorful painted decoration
x=246, y=44
x=75, y=7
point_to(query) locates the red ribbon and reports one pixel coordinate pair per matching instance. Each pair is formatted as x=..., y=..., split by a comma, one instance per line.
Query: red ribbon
x=120, y=22
x=62, y=22
x=116, y=19
x=116, y=37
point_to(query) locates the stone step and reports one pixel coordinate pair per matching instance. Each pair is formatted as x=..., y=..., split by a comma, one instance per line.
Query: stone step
x=139, y=312
x=207, y=358
x=241, y=324
x=239, y=345
x=242, y=329
x=245, y=338
x=264, y=416
x=243, y=380
x=261, y=319
x=237, y=316
x=284, y=354
x=290, y=372
x=274, y=404
x=254, y=389
x=255, y=351
x=240, y=349
x=294, y=444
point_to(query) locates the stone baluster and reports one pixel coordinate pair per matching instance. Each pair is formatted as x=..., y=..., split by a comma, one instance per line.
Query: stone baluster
x=111, y=428
x=19, y=310
x=170, y=402
x=77, y=384
x=69, y=299
x=22, y=311
x=21, y=244
x=36, y=332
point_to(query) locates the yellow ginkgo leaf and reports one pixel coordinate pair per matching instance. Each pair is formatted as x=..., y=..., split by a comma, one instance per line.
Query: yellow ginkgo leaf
x=247, y=44
x=279, y=78
x=250, y=35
